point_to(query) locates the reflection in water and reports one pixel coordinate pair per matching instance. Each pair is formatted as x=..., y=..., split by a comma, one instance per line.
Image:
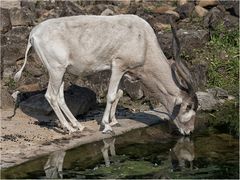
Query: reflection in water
x=109, y=145
x=145, y=155
x=182, y=154
x=54, y=165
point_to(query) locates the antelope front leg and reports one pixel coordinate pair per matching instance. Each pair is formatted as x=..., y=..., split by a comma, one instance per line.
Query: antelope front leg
x=111, y=97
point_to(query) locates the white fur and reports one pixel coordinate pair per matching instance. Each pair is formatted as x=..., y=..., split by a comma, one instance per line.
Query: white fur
x=83, y=45
x=15, y=95
x=187, y=116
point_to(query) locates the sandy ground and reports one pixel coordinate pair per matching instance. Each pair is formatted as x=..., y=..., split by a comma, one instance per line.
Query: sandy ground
x=22, y=138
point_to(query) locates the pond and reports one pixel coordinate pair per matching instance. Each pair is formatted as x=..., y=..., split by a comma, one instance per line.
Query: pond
x=142, y=153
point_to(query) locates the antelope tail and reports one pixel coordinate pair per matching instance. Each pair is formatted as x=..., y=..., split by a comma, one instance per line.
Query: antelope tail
x=19, y=73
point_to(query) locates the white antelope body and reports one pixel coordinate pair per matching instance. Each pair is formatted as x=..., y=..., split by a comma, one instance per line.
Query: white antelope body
x=83, y=45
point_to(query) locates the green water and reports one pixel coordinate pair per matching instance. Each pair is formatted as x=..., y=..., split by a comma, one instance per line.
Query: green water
x=142, y=153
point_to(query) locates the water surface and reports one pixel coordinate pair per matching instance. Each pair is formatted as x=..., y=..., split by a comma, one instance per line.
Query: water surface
x=142, y=153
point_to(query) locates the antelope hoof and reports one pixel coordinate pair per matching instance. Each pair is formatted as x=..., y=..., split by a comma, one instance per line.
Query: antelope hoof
x=71, y=130
x=79, y=127
x=109, y=132
x=107, y=129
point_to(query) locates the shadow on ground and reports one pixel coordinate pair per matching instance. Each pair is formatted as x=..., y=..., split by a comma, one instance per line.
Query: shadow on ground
x=82, y=103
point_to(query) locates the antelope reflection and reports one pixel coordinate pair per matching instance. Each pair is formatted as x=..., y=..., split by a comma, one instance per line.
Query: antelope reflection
x=181, y=156
x=109, y=145
x=54, y=165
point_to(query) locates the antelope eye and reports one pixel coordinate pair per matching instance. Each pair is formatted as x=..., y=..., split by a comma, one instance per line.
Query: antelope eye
x=189, y=107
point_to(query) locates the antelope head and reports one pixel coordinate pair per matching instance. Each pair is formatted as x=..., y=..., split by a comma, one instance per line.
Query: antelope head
x=185, y=106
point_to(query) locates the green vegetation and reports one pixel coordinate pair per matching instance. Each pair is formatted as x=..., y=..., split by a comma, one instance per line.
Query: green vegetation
x=223, y=59
x=10, y=83
x=147, y=10
x=221, y=55
x=127, y=169
x=226, y=118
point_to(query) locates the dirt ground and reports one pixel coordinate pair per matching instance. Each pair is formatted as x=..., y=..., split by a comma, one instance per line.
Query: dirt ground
x=22, y=138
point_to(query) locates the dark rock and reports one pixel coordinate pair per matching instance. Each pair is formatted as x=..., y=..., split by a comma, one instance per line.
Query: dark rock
x=34, y=69
x=231, y=6
x=192, y=39
x=97, y=82
x=218, y=16
x=133, y=89
x=78, y=99
x=36, y=104
x=11, y=53
x=48, y=5
x=5, y=24
x=3, y=40
x=165, y=42
x=43, y=14
x=231, y=21
x=45, y=10
x=23, y=96
x=69, y=8
x=199, y=73
x=236, y=9
x=134, y=8
x=206, y=101
x=6, y=99
x=185, y=10
x=213, y=18
x=15, y=47
x=21, y=17
x=218, y=92
x=31, y=5
x=18, y=35
x=101, y=7
x=96, y=9
x=164, y=18
x=189, y=40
